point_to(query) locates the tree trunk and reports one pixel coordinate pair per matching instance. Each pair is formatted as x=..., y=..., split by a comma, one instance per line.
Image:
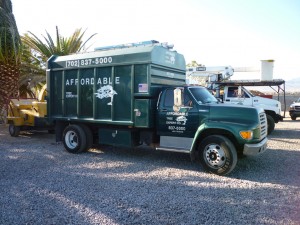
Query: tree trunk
x=9, y=76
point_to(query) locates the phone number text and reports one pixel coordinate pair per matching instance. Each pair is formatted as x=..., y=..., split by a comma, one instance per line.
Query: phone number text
x=88, y=62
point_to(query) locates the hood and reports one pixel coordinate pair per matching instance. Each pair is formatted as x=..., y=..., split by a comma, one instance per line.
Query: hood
x=269, y=101
x=235, y=113
x=295, y=104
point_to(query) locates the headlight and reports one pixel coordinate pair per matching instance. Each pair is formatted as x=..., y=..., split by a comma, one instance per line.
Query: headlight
x=292, y=107
x=246, y=134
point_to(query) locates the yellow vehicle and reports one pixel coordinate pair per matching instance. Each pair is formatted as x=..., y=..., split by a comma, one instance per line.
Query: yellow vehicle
x=28, y=114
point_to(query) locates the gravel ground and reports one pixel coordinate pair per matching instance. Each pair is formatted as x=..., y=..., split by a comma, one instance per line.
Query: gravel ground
x=41, y=183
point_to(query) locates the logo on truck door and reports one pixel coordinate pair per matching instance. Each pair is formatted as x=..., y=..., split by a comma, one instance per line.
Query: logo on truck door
x=182, y=119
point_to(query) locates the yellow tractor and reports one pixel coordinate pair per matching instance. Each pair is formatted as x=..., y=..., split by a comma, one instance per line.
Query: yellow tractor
x=28, y=114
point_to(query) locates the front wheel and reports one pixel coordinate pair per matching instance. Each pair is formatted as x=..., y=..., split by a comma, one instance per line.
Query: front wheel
x=74, y=139
x=293, y=117
x=14, y=131
x=271, y=124
x=217, y=154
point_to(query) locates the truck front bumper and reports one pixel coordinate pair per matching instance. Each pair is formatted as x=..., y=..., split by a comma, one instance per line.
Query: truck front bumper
x=295, y=113
x=279, y=118
x=254, y=149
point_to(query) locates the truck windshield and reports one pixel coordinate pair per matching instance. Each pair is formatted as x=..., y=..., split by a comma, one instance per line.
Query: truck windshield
x=248, y=92
x=202, y=95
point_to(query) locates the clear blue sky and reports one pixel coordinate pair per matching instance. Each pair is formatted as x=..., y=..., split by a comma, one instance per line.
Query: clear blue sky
x=212, y=32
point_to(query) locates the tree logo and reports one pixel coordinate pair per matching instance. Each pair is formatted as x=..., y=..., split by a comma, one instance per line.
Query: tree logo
x=106, y=91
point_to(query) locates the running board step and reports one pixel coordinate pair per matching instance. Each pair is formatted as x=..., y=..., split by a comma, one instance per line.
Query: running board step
x=182, y=150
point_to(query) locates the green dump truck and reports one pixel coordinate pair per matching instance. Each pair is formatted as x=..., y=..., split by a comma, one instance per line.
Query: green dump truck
x=132, y=95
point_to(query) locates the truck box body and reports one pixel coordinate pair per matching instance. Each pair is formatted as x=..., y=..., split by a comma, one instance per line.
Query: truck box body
x=106, y=86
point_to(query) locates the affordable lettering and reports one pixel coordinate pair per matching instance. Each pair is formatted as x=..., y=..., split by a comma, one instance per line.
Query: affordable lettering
x=91, y=81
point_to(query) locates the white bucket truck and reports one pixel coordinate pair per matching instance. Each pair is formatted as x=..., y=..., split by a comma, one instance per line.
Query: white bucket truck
x=234, y=92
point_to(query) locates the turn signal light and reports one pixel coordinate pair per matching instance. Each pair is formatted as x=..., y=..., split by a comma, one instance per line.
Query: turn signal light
x=247, y=135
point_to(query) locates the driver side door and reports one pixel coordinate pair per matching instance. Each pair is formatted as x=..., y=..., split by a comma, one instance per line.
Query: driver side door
x=175, y=120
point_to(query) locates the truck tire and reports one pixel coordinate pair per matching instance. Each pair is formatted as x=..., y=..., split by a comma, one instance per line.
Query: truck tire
x=293, y=117
x=14, y=131
x=89, y=136
x=271, y=124
x=74, y=139
x=217, y=154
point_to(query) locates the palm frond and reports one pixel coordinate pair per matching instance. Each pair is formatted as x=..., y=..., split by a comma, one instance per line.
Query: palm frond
x=63, y=46
x=38, y=50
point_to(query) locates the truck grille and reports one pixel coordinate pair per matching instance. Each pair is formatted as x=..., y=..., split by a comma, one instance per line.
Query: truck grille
x=263, y=125
x=297, y=107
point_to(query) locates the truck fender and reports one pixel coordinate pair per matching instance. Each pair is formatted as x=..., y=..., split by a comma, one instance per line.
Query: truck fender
x=194, y=147
x=202, y=132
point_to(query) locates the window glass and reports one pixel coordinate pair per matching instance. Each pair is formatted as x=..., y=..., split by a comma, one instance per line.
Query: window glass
x=187, y=100
x=169, y=99
x=245, y=95
x=232, y=92
x=202, y=95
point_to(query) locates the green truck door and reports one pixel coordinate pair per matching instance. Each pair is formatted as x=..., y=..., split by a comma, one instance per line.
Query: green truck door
x=183, y=123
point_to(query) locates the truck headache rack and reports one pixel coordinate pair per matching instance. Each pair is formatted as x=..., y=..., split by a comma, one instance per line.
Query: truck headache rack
x=279, y=83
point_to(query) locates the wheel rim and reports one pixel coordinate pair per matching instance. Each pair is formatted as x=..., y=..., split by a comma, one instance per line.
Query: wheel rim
x=71, y=139
x=214, y=155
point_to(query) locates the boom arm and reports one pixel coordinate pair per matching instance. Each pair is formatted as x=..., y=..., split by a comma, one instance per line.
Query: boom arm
x=202, y=74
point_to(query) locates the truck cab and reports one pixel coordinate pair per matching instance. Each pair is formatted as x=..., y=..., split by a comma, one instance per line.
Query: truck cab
x=186, y=110
x=191, y=120
x=240, y=95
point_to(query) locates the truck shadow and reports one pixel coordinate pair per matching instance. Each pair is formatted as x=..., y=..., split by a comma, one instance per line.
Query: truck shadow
x=281, y=134
x=146, y=155
x=270, y=167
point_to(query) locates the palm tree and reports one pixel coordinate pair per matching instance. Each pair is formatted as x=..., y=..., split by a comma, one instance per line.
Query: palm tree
x=36, y=53
x=10, y=51
x=193, y=63
x=61, y=45
x=32, y=73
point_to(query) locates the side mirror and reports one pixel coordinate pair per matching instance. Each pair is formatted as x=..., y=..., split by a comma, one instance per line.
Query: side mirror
x=177, y=99
x=220, y=100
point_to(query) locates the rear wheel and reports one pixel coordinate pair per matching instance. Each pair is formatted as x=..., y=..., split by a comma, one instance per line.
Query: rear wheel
x=271, y=124
x=14, y=131
x=74, y=139
x=89, y=136
x=217, y=154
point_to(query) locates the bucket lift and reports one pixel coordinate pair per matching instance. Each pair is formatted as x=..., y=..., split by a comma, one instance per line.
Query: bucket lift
x=205, y=76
